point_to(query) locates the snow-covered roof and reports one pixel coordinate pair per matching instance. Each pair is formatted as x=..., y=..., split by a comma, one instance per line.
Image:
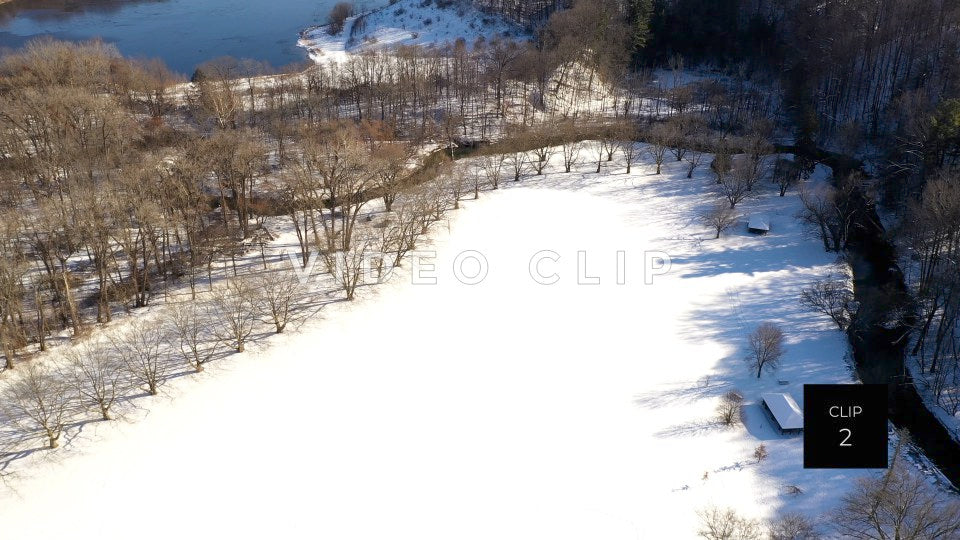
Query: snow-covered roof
x=785, y=410
x=759, y=223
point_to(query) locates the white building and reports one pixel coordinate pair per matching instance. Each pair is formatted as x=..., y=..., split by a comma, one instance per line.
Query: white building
x=785, y=412
x=759, y=224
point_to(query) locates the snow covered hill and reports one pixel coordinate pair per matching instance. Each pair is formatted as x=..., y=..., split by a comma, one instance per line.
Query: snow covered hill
x=505, y=409
x=408, y=22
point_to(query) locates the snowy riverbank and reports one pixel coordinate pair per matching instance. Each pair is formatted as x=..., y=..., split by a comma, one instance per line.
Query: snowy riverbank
x=407, y=22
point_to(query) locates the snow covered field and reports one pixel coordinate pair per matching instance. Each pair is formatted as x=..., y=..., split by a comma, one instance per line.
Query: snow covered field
x=505, y=409
x=407, y=22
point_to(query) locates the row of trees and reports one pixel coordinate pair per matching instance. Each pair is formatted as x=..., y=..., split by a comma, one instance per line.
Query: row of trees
x=93, y=376
x=930, y=232
x=116, y=186
x=575, y=67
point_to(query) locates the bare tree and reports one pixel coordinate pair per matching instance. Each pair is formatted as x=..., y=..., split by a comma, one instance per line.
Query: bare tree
x=141, y=350
x=347, y=266
x=543, y=149
x=13, y=270
x=607, y=144
x=611, y=137
x=96, y=376
x=236, y=305
x=216, y=96
x=407, y=226
x=678, y=129
x=335, y=154
x=899, y=504
x=720, y=217
x=10, y=341
x=476, y=173
x=39, y=402
x=734, y=188
x=571, y=145
x=726, y=524
x=498, y=57
x=757, y=144
x=434, y=200
x=389, y=167
x=680, y=97
x=518, y=162
x=631, y=153
x=278, y=293
x=744, y=172
x=832, y=297
x=694, y=157
x=766, y=347
x=722, y=164
x=793, y=527
x=660, y=137
x=238, y=161
x=457, y=181
x=191, y=332
x=492, y=166
x=153, y=83
x=831, y=211
x=786, y=173
x=728, y=410
x=338, y=16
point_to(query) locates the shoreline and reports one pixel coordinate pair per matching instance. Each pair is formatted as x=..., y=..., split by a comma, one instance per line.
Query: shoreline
x=405, y=23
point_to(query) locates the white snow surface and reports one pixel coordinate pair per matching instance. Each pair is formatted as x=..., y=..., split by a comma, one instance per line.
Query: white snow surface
x=506, y=409
x=925, y=388
x=408, y=22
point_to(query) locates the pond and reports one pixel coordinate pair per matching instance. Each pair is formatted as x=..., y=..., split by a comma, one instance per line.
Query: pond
x=183, y=33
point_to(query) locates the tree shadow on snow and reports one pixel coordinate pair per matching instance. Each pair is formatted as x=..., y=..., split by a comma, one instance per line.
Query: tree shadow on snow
x=692, y=428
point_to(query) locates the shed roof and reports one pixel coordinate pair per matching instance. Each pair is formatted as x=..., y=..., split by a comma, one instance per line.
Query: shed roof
x=786, y=411
x=759, y=222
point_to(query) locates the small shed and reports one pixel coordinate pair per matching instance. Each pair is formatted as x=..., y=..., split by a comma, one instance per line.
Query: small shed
x=759, y=224
x=784, y=411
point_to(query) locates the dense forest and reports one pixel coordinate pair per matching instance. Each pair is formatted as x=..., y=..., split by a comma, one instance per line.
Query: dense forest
x=867, y=66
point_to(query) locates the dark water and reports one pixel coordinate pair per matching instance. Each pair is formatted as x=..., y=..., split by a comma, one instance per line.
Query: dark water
x=879, y=350
x=183, y=33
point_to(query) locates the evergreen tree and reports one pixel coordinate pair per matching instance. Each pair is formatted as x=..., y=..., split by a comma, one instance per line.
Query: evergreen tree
x=638, y=18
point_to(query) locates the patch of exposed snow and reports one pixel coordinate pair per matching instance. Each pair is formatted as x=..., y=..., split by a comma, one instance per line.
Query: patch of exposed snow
x=407, y=22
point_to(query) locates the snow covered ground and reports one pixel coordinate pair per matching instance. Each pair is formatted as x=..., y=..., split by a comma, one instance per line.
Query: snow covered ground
x=505, y=409
x=941, y=408
x=407, y=22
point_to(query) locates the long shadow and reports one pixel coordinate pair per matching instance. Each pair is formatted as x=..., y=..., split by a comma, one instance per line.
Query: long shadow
x=748, y=259
x=680, y=395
